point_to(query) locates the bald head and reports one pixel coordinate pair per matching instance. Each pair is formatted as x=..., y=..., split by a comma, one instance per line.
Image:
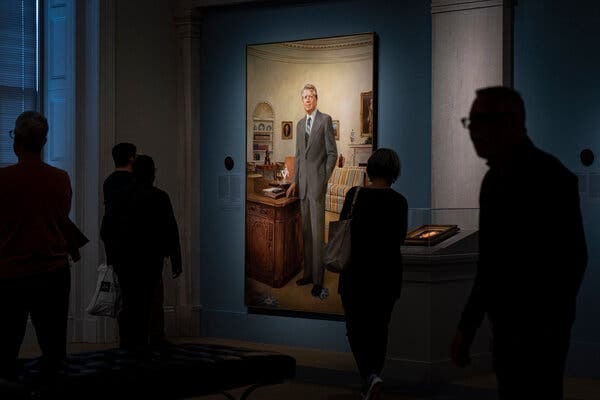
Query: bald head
x=497, y=122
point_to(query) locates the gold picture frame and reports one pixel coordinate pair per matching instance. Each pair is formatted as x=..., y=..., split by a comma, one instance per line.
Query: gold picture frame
x=367, y=117
x=274, y=252
x=429, y=235
x=287, y=130
x=336, y=129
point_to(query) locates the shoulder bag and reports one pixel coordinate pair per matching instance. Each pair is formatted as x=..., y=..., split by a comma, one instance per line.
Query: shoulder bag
x=338, y=249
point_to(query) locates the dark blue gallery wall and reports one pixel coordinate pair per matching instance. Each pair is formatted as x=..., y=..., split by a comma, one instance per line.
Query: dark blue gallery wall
x=403, y=86
x=557, y=66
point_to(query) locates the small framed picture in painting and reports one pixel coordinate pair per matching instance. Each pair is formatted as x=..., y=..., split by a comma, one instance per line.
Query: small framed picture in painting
x=286, y=130
x=336, y=129
x=366, y=114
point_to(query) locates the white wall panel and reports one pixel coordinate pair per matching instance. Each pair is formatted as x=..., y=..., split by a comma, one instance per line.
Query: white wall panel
x=468, y=52
x=57, y=46
x=59, y=86
x=57, y=140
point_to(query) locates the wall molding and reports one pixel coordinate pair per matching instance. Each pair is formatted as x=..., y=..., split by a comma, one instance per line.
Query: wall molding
x=444, y=6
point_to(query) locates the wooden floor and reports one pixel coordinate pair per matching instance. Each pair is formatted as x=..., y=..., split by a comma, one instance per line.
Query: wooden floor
x=309, y=385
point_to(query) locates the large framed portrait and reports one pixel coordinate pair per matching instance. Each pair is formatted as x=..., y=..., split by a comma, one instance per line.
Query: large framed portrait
x=279, y=275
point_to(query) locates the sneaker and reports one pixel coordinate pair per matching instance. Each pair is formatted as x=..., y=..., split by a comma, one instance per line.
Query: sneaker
x=324, y=293
x=375, y=387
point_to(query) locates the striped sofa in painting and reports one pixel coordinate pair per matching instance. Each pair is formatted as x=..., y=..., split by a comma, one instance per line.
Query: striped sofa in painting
x=341, y=180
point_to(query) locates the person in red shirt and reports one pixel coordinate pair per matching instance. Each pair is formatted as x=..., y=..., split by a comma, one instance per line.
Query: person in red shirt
x=35, y=199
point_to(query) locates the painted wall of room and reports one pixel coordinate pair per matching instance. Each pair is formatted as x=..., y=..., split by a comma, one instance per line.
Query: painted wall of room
x=403, y=68
x=556, y=70
x=145, y=106
x=145, y=95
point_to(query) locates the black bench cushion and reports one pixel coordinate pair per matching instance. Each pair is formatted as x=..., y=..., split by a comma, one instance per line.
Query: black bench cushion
x=175, y=372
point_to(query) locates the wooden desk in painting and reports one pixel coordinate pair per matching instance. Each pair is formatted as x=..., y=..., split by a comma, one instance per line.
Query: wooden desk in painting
x=273, y=239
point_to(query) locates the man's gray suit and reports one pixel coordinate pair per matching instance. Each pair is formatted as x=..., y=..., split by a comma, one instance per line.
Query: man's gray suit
x=314, y=164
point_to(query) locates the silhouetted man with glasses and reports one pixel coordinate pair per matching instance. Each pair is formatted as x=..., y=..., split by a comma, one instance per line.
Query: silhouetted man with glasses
x=35, y=236
x=532, y=253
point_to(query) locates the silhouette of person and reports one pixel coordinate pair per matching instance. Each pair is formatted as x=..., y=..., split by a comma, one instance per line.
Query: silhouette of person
x=156, y=237
x=117, y=191
x=35, y=239
x=532, y=253
x=316, y=155
x=371, y=284
x=116, y=229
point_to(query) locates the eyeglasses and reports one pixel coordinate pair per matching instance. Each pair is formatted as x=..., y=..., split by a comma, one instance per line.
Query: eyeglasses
x=308, y=96
x=487, y=119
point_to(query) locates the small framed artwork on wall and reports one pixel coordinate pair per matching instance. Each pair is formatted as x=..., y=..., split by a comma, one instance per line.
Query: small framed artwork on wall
x=286, y=130
x=366, y=114
x=336, y=129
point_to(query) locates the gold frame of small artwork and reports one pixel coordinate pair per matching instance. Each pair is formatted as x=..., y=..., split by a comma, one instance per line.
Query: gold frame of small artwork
x=336, y=128
x=367, y=116
x=291, y=134
x=417, y=237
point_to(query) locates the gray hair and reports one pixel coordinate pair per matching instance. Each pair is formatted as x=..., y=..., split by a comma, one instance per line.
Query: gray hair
x=310, y=86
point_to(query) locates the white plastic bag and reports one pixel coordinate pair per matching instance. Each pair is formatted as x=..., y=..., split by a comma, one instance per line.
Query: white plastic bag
x=106, y=301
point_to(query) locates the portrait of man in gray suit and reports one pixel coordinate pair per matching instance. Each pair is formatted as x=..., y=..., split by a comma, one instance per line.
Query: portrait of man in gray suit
x=316, y=154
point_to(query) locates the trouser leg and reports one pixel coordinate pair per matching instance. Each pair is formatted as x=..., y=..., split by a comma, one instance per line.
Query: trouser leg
x=367, y=330
x=317, y=223
x=139, y=284
x=14, y=310
x=307, y=241
x=131, y=317
x=313, y=235
x=49, y=312
x=157, y=314
x=529, y=362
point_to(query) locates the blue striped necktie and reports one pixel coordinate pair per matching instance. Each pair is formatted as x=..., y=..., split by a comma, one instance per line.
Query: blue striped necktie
x=307, y=132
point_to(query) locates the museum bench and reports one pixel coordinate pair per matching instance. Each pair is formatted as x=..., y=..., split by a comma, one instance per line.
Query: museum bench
x=177, y=371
